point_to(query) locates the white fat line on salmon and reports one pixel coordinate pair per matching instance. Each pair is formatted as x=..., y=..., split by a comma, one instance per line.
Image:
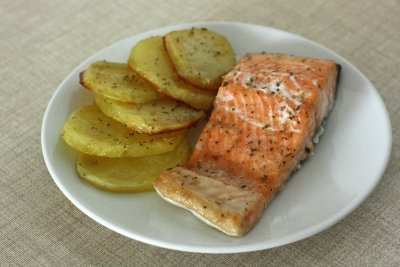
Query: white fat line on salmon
x=283, y=109
x=243, y=116
x=283, y=119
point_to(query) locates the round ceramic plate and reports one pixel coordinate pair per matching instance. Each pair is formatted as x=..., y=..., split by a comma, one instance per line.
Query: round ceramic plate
x=348, y=163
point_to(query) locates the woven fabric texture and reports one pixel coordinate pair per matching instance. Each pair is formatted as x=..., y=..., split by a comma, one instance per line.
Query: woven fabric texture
x=42, y=41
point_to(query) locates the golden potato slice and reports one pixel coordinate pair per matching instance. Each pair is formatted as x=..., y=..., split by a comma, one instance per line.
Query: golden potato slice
x=129, y=174
x=117, y=81
x=90, y=131
x=148, y=57
x=200, y=56
x=152, y=117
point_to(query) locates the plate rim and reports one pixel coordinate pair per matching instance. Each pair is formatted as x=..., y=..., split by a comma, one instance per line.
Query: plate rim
x=356, y=202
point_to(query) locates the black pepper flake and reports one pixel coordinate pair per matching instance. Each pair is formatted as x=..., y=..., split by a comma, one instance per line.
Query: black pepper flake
x=266, y=126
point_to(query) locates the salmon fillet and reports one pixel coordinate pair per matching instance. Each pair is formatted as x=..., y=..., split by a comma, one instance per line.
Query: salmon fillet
x=265, y=115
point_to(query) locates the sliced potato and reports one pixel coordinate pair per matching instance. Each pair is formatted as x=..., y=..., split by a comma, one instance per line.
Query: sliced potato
x=90, y=131
x=152, y=117
x=200, y=56
x=148, y=57
x=117, y=81
x=129, y=174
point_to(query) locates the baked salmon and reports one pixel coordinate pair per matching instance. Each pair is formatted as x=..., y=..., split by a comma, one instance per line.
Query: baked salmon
x=266, y=113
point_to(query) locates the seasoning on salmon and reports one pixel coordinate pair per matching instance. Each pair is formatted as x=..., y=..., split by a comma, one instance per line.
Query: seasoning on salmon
x=265, y=115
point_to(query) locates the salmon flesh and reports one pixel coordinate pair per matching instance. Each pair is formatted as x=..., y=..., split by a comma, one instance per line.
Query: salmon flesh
x=266, y=113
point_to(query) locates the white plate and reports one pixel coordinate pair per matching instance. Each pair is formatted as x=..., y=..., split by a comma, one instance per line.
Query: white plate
x=349, y=161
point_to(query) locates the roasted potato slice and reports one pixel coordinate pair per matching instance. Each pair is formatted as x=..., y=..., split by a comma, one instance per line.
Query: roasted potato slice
x=152, y=117
x=117, y=81
x=200, y=56
x=149, y=58
x=90, y=131
x=129, y=174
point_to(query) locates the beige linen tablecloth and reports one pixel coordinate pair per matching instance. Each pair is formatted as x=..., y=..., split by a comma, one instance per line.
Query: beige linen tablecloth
x=42, y=41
